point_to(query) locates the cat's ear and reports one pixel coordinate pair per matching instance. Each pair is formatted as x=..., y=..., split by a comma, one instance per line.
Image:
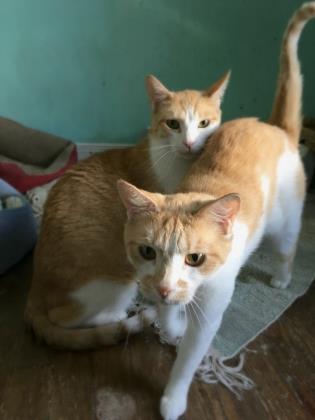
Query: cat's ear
x=157, y=91
x=223, y=211
x=136, y=201
x=217, y=90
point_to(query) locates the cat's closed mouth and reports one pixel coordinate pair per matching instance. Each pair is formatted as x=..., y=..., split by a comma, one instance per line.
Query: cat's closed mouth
x=187, y=155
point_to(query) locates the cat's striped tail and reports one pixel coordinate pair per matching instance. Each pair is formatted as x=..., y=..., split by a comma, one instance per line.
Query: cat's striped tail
x=286, y=112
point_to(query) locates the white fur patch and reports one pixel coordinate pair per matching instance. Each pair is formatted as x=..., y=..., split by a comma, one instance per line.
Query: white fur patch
x=286, y=204
x=168, y=167
x=168, y=162
x=193, y=133
x=265, y=190
x=177, y=267
x=104, y=301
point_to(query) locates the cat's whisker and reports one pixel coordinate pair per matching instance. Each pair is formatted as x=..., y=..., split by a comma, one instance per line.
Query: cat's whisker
x=161, y=157
x=201, y=312
x=198, y=303
x=196, y=315
x=166, y=146
x=182, y=313
x=161, y=147
x=193, y=313
x=185, y=314
x=190, y=315
x=198, y=298
x=195, y=300
x=165, y=176
x=168, y=151
x=179, y=314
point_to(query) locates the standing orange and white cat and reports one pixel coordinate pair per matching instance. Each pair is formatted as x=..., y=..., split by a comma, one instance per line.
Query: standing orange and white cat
x=188, y=248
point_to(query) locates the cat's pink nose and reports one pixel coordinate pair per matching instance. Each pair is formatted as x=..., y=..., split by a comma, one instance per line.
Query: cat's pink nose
x=164, y=291
x=188, y=144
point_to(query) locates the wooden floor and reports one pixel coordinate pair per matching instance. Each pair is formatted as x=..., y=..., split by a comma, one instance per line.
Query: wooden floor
x=126, y=382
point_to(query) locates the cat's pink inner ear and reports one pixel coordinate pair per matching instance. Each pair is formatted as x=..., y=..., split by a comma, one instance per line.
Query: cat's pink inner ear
x=217, y=90
x=136, y=201
x=157, y=91
x=225, y=210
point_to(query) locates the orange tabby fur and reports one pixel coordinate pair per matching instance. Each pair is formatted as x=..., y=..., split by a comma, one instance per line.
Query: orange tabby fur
x=81, y=212
x=243, y=150
x=239, y=153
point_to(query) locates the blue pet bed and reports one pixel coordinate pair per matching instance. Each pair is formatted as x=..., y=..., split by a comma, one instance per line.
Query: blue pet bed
x=17, y=229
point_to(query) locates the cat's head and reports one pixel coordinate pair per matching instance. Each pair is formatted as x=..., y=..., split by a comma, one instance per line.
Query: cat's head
x=184, y=120
x=176, y=242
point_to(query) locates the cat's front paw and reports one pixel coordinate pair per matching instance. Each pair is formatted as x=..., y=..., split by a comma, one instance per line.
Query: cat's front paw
x=172, y=406
x=172, y=337
x=172, y=340
x=173, y=333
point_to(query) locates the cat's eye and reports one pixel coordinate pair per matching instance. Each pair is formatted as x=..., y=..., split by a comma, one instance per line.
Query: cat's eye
x=173, y=124
x=147, y=252
x=204, y=123
x=195, y=259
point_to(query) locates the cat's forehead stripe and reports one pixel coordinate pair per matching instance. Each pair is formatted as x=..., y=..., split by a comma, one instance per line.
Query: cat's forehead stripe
x=191, y=115
x=171, y=235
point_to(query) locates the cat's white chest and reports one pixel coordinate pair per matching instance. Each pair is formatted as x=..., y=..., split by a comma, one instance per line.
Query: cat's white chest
x=168, y=168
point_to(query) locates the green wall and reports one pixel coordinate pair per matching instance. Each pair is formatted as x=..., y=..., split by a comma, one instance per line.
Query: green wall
x=76, y=67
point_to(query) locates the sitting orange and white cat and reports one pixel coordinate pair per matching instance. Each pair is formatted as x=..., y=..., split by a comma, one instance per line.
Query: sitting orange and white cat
x=187, y=248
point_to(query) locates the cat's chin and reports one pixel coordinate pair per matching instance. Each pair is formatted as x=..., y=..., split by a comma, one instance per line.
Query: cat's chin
x=170, y=302
x=187, y=155
x=155, y=298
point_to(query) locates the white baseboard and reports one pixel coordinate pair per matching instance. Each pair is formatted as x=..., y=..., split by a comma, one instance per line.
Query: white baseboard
x=87, y=149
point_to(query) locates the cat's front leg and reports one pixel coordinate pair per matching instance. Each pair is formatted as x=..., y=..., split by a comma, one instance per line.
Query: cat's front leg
x=172, y=323
x=204, y=320
x=192, y=349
